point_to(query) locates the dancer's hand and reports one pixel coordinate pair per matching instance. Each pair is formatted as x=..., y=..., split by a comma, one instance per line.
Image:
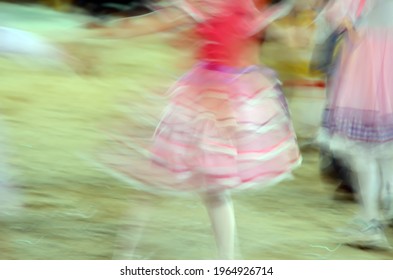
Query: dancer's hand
x=94, y=25
x=110, y=33
x=352, y=32
x=109, y=29
x=105, y=32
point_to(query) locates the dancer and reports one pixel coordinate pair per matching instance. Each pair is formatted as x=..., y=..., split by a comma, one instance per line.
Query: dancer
x=325, y=54
x=15, y=43
x=227, y=126
x=358, y=121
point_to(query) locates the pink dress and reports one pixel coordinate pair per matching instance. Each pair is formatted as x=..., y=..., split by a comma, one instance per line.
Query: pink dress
x=359, y=111
x=227, y=126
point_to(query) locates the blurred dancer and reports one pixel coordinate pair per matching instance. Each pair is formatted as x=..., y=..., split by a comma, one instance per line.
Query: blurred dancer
x=16, y=43
x=326, y=53
x=358, y=121
x=227, y=126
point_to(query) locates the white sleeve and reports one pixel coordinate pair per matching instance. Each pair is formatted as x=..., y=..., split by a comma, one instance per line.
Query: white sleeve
x=332, y=16
x=337, y=11
x=322, y=29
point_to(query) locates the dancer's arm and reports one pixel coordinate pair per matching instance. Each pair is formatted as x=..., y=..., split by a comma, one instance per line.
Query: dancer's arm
x=270, y=15
x=158, y=21
x=337, y=16
x=191, y=10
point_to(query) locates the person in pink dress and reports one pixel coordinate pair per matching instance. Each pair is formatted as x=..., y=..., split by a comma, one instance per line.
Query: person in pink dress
x=358, y=120
x=227, y=126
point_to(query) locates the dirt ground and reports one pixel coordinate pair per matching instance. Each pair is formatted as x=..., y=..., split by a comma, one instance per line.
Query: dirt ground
x=75, y=211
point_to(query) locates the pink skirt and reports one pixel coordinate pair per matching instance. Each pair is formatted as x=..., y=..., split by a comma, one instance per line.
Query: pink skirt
x=360, y=103
x=225, y=128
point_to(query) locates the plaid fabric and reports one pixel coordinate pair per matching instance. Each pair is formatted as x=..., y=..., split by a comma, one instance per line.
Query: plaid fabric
x=359, y=125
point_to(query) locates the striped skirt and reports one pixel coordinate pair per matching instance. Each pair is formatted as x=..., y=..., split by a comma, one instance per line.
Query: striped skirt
x=226, y=128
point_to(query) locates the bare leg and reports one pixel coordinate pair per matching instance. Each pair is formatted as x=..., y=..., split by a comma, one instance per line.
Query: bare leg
x=131, y=234
x=222, y=217
x=369, y=185
x=368, y=231
x=386, y=166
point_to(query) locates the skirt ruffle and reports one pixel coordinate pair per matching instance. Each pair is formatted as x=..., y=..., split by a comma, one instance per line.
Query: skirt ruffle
x=224, y=129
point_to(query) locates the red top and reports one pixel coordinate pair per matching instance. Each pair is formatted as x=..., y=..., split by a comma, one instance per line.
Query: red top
x=226, y=37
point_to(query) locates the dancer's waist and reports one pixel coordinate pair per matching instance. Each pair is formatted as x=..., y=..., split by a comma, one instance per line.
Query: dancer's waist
x=221, y=67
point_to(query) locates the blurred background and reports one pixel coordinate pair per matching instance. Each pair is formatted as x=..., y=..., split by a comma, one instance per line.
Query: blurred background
x=52, y=119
